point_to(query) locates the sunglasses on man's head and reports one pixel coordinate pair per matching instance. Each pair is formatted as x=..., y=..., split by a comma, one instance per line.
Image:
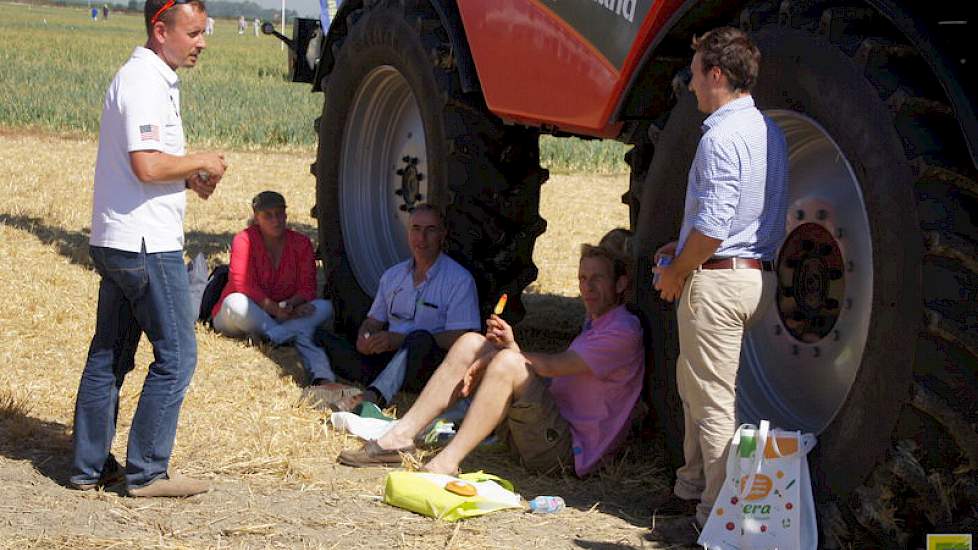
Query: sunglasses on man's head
x=169, y=4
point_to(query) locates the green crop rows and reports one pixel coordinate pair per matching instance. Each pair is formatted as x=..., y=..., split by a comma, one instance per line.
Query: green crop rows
x=55, y=64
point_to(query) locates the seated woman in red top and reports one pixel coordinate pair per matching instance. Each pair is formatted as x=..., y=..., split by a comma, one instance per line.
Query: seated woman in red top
x=271, y=289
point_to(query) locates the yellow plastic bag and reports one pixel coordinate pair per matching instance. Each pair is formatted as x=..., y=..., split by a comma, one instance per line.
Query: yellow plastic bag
x=425, y=494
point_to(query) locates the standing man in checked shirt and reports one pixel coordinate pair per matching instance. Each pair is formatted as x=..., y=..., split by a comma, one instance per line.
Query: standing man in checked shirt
x=722, y=274
x=142, y=172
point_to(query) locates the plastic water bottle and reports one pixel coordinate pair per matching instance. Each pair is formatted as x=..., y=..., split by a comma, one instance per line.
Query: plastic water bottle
x=546, y=505
x=663, y=261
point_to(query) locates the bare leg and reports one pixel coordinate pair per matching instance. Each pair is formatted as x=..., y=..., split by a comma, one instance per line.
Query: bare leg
x=439, y=393
x=506, y=377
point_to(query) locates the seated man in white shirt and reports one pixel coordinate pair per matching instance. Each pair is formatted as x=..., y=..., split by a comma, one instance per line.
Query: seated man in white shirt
x=422, y=306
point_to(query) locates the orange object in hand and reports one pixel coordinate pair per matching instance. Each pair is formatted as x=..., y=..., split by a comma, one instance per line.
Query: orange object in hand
x=500, y=305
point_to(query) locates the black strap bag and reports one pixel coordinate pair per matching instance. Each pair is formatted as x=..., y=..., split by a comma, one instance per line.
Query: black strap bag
x=216, y=282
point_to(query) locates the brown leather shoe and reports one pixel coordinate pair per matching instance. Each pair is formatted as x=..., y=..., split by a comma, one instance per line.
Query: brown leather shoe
x=171, y=485
x=371, y=454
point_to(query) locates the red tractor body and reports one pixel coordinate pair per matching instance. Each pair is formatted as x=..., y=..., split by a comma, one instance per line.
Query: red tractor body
x=537, y=67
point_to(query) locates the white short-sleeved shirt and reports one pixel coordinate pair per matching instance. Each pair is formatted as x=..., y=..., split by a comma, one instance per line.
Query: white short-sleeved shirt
x=141, y=113
x=445, y=300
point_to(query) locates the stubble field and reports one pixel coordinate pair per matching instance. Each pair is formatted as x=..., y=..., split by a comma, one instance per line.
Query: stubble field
x=270, y=458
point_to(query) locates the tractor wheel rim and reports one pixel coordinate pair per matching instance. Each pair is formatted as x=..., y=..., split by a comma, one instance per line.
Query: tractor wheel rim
x=382, y=174
x=800, y=359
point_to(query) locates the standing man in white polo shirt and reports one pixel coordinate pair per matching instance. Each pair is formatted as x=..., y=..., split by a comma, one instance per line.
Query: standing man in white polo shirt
x=141, y=175
x=422, y=306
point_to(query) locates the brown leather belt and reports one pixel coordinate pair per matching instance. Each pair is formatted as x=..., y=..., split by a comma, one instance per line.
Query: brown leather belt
x=737, y=263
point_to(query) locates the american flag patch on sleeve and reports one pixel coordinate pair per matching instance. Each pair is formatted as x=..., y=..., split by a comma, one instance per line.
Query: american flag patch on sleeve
x=149, y=132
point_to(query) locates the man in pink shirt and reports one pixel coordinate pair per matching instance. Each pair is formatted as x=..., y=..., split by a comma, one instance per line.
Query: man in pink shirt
x=553, y=410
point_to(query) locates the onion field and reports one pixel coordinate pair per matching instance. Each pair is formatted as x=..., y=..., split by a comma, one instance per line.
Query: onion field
x=55, y=63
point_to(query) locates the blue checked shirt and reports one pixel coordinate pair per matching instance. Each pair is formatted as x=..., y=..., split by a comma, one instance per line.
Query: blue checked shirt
x=737, y=190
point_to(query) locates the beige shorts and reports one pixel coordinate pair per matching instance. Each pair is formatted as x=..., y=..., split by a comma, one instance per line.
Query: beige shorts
x=536, y=433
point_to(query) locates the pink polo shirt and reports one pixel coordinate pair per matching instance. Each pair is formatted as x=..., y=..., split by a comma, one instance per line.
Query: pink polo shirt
x=598, y=403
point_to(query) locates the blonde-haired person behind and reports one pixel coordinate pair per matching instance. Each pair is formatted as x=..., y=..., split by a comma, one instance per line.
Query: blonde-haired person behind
x=271, y=289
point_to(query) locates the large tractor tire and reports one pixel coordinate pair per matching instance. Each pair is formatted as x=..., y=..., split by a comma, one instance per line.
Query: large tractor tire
x=397, y=130
x=872, y=342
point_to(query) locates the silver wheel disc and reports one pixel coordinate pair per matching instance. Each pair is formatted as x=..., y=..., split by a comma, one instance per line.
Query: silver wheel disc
x=382, y=174
x=800, y=359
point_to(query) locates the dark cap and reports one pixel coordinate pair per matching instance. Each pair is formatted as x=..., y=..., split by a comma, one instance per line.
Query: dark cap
x=266, y=200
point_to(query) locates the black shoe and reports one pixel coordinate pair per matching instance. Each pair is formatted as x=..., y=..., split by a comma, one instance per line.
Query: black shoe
x=669, y=505
x=374, y=396
x=112, y=474
x=675, y=531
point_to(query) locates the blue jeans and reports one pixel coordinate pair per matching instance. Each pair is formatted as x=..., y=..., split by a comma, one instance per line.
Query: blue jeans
x=415, y=369
x=240, y=316
x=139, y=293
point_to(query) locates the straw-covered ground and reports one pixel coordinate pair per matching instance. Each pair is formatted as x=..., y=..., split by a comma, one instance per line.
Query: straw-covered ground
x=270, y=458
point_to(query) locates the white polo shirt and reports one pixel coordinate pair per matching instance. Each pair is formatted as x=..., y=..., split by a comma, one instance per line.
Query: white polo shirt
x=445, y=300
x=141, y=113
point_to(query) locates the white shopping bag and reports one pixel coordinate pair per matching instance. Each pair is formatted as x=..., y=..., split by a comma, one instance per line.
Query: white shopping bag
x=364, y=428
x=766, y=502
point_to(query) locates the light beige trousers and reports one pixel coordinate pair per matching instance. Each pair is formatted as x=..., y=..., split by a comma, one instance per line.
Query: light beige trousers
x=716, y=307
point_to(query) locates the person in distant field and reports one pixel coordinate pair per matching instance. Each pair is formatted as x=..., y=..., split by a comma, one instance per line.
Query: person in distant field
x=721, y=274
x=94, y=13
x=209, y=26
x=241, y=24
x=142, y=172
x=421, y=308
x=563, y=411
x=257, y=26
x=271, y=289
x=105, y=12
